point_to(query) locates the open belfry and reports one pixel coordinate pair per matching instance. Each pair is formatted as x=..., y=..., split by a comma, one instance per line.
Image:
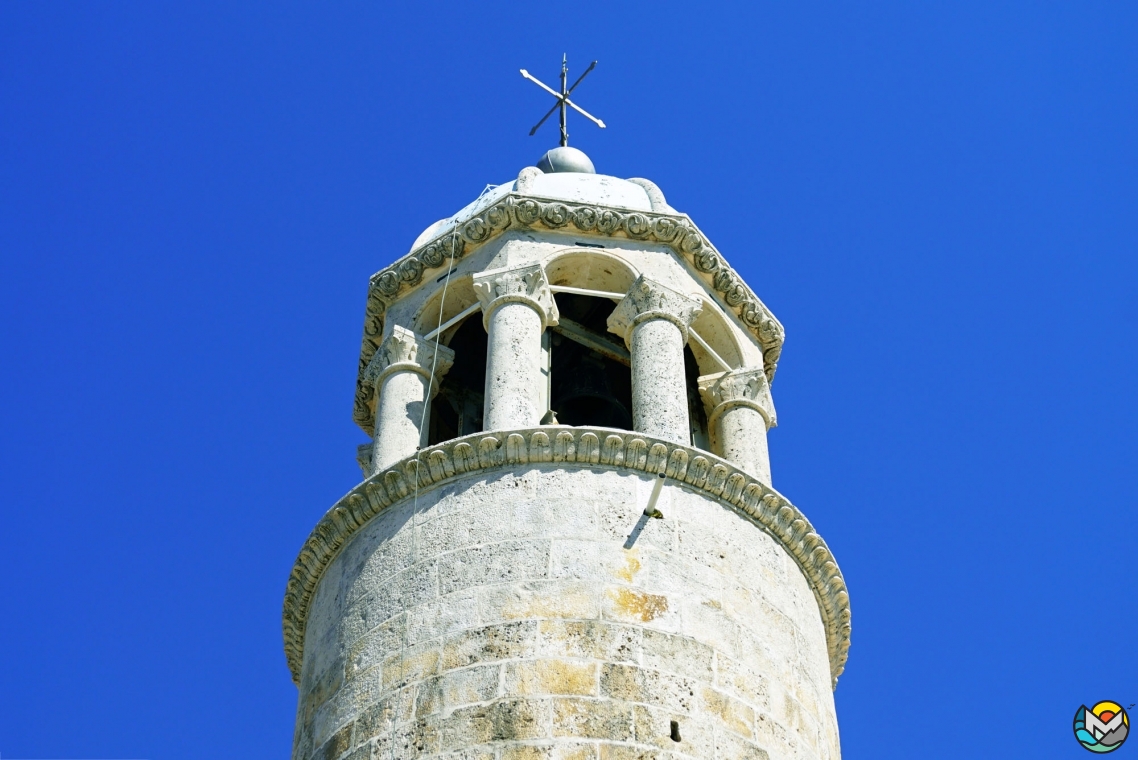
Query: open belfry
x=566, y=543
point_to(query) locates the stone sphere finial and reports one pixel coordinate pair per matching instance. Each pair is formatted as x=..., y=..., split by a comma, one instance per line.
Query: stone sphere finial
x=565, y=159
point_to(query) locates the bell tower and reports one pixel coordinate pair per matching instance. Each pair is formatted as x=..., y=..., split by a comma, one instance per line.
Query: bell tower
x=566, y=543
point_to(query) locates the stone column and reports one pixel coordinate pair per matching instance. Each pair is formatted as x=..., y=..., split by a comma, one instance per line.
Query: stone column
x=401, y=371
x=653, y=319
x=742, y=411
x=517, y=306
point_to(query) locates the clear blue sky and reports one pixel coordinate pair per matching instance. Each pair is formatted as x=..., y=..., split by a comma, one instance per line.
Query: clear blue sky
x=938, y=200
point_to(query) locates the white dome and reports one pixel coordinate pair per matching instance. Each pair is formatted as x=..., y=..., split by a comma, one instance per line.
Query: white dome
x=573, y=187
x=591, y=188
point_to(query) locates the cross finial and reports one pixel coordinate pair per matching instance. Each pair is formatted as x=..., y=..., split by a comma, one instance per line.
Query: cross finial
x=563, y=99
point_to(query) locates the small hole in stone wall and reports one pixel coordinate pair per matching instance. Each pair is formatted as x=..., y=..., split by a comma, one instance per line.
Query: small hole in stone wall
x=676, y=731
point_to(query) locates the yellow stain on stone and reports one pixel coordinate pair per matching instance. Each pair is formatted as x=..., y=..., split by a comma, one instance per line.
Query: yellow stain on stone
x=637, y=604
x=735, y=715
x=407, y=667
x=631, y=565
x=554, y=677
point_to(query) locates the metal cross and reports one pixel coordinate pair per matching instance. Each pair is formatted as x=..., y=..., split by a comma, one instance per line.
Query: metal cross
x=563, y=100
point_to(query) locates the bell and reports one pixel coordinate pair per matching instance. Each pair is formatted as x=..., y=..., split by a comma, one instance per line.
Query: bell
x=586, y=397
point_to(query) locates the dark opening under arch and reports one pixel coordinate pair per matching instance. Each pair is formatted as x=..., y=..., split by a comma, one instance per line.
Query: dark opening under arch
x=590, y=376
x=457, y=408
x=697, y=414
x=590, y=380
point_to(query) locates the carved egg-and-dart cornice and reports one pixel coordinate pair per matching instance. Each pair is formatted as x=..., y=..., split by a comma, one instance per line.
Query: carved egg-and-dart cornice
x=516, y=211
x=589, y=447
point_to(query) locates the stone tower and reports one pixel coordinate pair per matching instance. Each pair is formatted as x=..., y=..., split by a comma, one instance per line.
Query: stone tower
x=566, y=543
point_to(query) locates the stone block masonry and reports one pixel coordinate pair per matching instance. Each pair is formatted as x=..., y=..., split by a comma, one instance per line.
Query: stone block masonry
x=502, y=616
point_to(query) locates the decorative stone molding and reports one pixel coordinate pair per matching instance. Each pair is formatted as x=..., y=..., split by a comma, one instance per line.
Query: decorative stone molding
x=591, y=448
x=404, y=351
x=741, y=387
x=525, y=284
x=524, y=212
x=648, y=299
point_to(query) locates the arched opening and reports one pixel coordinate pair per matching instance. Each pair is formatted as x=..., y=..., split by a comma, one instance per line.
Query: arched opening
x=711, y=326
x=722, y=352
x=590, y=379
x=457, y=408
x=592, y=270
x=697, y=412
x=590, y=382
x=459, y=294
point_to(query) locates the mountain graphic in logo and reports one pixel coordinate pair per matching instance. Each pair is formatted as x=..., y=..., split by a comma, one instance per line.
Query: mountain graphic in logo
x=1102, y=728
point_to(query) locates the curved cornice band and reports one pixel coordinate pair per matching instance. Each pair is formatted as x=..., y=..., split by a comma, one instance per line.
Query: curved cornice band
x=591, y=447
x=518, y=211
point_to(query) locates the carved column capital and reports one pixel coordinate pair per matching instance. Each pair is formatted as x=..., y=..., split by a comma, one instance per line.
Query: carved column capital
x=404, y=351
x=524, y=284
x=648, y=299
x=740, y=387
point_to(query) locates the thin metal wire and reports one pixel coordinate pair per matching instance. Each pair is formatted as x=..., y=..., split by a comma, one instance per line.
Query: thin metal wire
x=453, y=320
x=435, y=353
x=587, y=292
x=706, y=347
x=423, y=421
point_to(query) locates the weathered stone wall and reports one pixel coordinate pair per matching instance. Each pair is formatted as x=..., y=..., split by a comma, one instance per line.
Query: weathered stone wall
x=537, y=614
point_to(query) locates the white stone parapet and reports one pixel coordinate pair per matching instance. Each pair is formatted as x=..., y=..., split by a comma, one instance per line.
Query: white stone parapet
x=742, y=411
x=517, y=306
x=654, y=319
x=401, y=374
